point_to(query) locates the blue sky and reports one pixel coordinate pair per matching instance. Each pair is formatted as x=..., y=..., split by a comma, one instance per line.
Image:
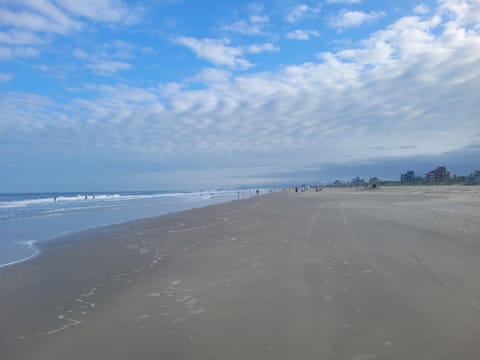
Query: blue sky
x=172, y=94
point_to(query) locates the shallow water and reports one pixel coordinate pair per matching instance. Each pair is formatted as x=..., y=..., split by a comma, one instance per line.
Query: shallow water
x=26, y=219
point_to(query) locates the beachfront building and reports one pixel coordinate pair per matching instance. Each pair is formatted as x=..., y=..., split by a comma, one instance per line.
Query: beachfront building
x=439, y=175
x=373, y=182
x=474, y=178
x=459, y=179
x=357, y=182
x=408, y=177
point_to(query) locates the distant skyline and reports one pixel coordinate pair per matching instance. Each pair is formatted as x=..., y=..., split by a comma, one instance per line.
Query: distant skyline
x=176, y=94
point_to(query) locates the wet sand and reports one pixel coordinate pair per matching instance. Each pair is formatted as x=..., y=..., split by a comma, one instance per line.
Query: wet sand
x=338, y=274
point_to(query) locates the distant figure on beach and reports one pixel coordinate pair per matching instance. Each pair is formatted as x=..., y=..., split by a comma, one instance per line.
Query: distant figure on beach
x=296, y=190
x=86, y=197
x=54, y=198
x=258, y=192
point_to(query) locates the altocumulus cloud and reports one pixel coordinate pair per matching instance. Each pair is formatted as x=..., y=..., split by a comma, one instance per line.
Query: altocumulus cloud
x=26, y=25
x=409, y=89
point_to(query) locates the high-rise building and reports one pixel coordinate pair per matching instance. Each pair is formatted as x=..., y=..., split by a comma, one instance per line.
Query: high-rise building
x=474, y=178
x=358, y=182
x=438, y=175
x=408, y=177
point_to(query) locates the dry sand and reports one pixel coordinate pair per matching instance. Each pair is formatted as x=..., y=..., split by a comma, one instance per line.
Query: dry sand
x=339, y=274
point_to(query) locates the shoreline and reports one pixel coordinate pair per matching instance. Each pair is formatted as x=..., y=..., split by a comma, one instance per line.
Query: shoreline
x=330, y=275
x=36, y=245
x=37, y=251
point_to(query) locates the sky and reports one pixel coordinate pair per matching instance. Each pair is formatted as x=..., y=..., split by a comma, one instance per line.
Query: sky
x=183, y=94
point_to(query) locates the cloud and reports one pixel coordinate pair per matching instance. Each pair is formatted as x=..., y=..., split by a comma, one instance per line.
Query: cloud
x=108, y=59
x=302, y=34
x=108, y=67
x=80, y=54
x=35, y=22
x=406, y=91
x=461, y=12
x=254, y=25
x=346, y=19
x=7, y=53
x=301, y=12
x=217, y=51
x=19, y=37
x=4, y=77
x=211, y=76
x=421, y=9
x=259, y=48
x=111, y=11
x=459, y=162
x=220, y=52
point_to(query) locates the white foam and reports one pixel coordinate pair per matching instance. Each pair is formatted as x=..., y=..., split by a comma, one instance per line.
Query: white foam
x=197, y=311
x=157, y=294
x=73, y=322
x=91, y=197
x=31, y=245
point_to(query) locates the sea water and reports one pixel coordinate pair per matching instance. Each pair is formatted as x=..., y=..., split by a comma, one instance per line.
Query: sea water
x=27, y=219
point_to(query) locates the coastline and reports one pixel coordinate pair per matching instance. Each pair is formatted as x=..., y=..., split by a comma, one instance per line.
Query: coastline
x=344, y=274
x=35, y=244
x=36, y=251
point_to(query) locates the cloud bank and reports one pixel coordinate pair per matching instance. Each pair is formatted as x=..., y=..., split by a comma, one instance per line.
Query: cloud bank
x=407, y=90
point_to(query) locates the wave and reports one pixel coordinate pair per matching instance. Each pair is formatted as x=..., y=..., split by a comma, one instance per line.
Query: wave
x=92, y=197
x=79, y=198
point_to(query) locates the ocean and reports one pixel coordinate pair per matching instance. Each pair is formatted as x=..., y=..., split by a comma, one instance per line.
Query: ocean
x=27, y=219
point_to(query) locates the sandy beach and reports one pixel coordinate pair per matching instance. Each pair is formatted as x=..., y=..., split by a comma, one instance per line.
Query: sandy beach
x=340, y=274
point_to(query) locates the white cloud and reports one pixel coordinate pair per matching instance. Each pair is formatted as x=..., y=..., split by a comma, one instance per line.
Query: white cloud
x=421, y=9
x=254, y=25
x=80, y=54
x=220, y=52
x=108, y=67
x=4, y=77
x=301, y=12
x=53, y=14
x=259, y=48
x=302, y=34
x=7, y=53
x=36, y=22
x=217, y=51
x=465, y=12
x=19, y=37
x=209, y=76
x=347, y=18
x=107, y=59
x=101, y=10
